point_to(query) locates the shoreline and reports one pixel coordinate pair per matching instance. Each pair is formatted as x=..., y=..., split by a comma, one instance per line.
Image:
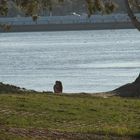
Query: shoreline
x=69, y=27
x=128, y=90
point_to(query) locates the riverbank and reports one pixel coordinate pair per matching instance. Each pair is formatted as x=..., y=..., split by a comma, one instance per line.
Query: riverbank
x=128, y=90
x=70, y=27
x=27, y=114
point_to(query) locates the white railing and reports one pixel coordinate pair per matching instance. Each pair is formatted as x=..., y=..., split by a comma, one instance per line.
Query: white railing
x=67, y=19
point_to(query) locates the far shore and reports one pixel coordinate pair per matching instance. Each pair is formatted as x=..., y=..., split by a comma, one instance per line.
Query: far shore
x=69, y=27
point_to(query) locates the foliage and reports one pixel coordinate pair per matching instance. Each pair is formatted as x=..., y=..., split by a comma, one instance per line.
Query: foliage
x=101, y=6
x=32, y=7
x=3, y=7
x=29, y=7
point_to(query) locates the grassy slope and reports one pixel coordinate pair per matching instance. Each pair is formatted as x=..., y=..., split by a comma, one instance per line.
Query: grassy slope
x=68, y=113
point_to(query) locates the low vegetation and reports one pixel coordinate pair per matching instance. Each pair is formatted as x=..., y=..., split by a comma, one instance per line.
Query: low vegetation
x=30, y=116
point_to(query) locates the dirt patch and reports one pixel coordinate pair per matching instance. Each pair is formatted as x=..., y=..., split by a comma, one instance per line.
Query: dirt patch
x=57, y=135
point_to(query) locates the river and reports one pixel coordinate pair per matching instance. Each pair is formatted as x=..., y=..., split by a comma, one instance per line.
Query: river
x=85, y=61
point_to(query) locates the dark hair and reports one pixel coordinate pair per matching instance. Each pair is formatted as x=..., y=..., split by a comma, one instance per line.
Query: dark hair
x=58, y=88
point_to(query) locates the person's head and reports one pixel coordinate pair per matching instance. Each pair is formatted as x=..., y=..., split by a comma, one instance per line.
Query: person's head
x=58, y=83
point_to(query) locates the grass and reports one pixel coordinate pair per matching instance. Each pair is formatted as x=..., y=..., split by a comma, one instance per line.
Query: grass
x=70, y=114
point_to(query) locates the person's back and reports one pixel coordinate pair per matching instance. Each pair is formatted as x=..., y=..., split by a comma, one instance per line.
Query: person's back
x=58, y=88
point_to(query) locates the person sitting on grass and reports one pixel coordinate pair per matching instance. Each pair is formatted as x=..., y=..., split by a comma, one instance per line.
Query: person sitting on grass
x=58, y=88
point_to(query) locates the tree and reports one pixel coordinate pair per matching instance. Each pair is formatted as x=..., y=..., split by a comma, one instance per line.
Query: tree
x=133, y=18
x=32, y=7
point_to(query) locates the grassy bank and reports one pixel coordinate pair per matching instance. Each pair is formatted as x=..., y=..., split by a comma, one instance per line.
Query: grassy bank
x=44, y=116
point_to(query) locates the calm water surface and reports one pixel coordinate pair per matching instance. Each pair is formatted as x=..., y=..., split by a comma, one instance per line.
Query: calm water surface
x=85, y=61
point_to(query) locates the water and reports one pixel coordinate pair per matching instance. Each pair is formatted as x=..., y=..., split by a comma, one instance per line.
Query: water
x=85, y=61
